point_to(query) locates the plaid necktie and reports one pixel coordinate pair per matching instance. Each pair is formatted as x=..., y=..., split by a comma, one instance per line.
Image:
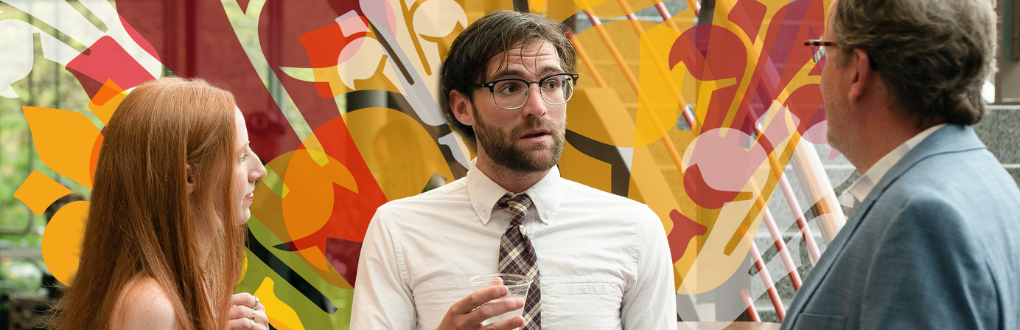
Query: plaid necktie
x=517, y=256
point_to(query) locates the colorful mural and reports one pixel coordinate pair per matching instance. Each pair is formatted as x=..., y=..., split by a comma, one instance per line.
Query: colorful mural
x=696, y=120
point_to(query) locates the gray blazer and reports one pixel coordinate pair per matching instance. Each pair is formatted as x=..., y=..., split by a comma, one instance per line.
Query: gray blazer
x=936, y=245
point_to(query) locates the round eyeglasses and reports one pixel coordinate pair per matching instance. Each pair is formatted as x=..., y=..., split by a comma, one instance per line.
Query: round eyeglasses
x=512, y=93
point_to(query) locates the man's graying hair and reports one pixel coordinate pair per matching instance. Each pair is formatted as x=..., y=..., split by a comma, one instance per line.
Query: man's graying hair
x=485, y=39
x=933, y=55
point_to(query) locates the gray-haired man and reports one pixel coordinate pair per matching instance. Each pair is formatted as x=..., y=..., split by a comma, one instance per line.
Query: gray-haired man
x=933, y=241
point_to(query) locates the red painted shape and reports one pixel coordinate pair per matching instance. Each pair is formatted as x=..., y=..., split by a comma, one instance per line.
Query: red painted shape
x=343, y=255
x=748, y=15
x=806, y=104
x=138, y=39
x=107, y=60
x=90, y=86
x=701, y=193
x=244, y=5
x=713, y=53
x=205, y=46
x=352, y=211
x=281, y=26
x=684, y=230
x=324, y=46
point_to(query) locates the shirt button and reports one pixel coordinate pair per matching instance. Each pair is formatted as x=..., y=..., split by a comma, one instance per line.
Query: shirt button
x=585, y=288
x=485, y=214
x=547, y=215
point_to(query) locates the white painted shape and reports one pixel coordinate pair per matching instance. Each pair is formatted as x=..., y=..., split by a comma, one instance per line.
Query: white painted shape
x=16, y=55
x=350, y=23
x=362, y=63
x=62, y=16
x=55, y=50
x=627, y=154
x=302, y=74
x=438, y=18
x=450, y=140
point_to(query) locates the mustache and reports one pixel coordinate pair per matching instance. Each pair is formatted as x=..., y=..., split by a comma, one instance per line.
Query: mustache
x=537, y=123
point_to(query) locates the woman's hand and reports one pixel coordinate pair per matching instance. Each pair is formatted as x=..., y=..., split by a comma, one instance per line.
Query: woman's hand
x=247, y=313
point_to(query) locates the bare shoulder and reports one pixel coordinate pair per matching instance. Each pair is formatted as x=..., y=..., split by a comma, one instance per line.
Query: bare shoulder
x=143, y=304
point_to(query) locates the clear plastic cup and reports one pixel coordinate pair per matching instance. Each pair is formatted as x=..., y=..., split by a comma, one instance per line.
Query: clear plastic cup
x=517, y=286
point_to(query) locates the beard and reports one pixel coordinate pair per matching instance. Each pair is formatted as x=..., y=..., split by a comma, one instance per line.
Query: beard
x=502, y=149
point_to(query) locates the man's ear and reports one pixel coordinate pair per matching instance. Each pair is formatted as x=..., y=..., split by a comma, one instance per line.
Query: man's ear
x=863, y=75
x=461, y=107
x=191, y=179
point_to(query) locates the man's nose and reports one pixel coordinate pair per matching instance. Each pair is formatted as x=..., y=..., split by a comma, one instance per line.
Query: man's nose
x=535, y=106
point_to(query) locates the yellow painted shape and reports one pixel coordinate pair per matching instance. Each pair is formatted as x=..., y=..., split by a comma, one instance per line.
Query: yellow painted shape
x=64, y=140
x=711, y=266
x=315, y=149
x=280, y=315
x=579, y=167
x=244, y=270
x=275, y=183
x=315, y=257
x=61, y=242
x=106, y=101
x=39, y=191
x=310, y=198
x=590, y=109
x=330, y=75
x=610, y=9
x=661, y=86
x=400, y=153
x=537, y=6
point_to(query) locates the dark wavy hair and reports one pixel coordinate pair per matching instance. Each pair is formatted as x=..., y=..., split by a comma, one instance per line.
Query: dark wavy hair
x=484, y=40
x=933, y=55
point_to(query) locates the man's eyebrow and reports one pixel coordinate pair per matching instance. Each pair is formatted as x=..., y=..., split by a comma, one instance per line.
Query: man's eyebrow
x=505, y=73
x=551, y=70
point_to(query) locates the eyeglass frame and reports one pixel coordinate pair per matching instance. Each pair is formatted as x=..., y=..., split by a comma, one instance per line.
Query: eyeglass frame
x=492, y=88
x=821, y=44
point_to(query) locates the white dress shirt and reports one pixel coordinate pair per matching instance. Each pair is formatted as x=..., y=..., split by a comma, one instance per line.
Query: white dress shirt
x=604, y=260
x=860, y=189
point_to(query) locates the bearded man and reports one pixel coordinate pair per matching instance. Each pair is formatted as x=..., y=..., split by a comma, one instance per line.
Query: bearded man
x=596, y=260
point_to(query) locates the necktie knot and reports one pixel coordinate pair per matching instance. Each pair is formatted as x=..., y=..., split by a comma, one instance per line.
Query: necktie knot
x=517, y=205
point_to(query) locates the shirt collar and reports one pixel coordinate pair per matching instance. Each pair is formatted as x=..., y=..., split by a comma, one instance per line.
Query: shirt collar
x=863, y=186
x=484, y=193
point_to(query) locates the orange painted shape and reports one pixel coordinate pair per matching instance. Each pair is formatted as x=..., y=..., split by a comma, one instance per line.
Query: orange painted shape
x=94, y=158
x=64, y=141
x=311, y=192
x=61, y=243
x=39, y=191
x=106, y=101
x=315, y=257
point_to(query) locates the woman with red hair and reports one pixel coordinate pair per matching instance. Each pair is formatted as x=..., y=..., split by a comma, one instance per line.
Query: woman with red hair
x=163, y=243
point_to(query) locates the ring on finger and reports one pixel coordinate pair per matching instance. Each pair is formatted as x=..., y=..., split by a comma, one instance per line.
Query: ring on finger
x=256, y=303
x=252, y=324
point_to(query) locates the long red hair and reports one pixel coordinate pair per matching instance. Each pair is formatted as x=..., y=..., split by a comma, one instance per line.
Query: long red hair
x=142, y=221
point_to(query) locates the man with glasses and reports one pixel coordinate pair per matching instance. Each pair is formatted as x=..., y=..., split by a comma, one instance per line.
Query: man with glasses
x=933, y=238
x=596, y=260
